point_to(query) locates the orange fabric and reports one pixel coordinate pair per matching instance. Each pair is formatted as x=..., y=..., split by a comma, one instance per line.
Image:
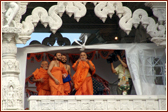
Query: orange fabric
x=81, y=73
x=44, y=92
x=57, y=73
x=67, y=88
x=42, y=73
x=86, y=88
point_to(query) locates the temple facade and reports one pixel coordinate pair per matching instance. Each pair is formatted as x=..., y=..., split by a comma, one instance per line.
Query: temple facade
x=15, y=30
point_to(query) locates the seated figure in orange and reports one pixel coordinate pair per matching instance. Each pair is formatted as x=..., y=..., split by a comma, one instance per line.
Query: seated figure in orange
x=41, y=78
x=57, y=72
x=67, y=85
x=82, y=78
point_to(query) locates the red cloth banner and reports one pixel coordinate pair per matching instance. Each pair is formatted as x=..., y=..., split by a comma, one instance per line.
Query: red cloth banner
x=105, y=53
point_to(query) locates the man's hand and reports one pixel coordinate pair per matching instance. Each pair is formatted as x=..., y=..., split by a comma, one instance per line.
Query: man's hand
x=41, y=80
x=56, y=81
x=87, y=60
x=64, y=76
x=79, y=60
x=119, y=58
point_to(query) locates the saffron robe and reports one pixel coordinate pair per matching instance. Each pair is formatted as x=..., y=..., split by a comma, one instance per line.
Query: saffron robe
x=42, y=88
x=57, y=73
x=67, y=88
x=82, y=83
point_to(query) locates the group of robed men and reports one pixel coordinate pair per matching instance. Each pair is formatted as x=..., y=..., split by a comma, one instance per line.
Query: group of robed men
x=49, y=79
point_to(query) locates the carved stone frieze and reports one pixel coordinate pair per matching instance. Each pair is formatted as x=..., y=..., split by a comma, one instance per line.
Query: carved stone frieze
x=59, y=105
x=12, y=96
x=10, y=65
x=85, y=105
x=126, y=105
x=72, y=105
x=104, y=9
x=11, y=29
x=162, y=104
x=98, y=103
x=33, y=105
x=53, y=16
x=151, y=105
x=139, y=105
x=113, y=105
x=45, y=105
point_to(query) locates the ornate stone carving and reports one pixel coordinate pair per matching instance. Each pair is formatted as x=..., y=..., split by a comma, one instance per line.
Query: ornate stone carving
x=85, y=105
x=159, y=10
x=98, y=103
x=52, y=18
x=9, y=48
x=12, y=19
x=162, y=104
x=126, y=20
x=12, y=91
x=12, y=96
x=59, y=105
x=113, y=105
x=153, y=29
x=12, y=10
x=76, y=8
x=22, y=10
x=45, y=105
x=11, y=29
x=139, y=105
x=151, y=105
x=11, y=65
x=33, y=105
x=126, y=105
x=140, y=16
x=72, y=105
x=159, y=41
x=102, y=9
x=55, y=21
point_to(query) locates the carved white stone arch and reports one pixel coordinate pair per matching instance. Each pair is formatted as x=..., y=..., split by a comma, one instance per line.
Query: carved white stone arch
x=102, y=10
x=155, y=30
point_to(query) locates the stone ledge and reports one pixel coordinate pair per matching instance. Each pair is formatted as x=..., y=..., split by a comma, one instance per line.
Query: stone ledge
x=98, y=102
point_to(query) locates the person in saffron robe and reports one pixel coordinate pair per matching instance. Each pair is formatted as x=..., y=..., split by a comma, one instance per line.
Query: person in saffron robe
x=82, y=78
x=41, y=78
x=57, y=72
x=68, y=84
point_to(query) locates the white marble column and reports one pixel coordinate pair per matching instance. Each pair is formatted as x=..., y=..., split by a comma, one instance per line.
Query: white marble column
x=12, y=92
x=12, y=96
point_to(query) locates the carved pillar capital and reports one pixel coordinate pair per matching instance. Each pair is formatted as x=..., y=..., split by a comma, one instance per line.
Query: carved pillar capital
x=9, y=48
x=159, y=10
